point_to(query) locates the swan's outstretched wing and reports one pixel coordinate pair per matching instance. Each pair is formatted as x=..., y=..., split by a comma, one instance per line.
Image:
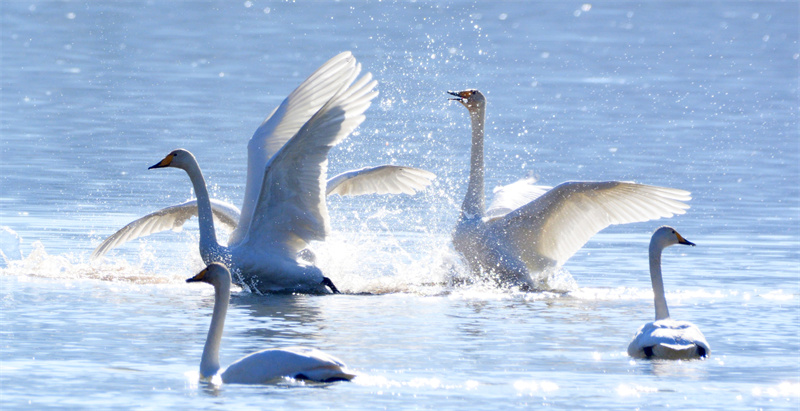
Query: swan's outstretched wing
x=284, y=122
x=291, y=209
x=561, y=221
x=170, y=218
x=513, y=196
x=386, y=179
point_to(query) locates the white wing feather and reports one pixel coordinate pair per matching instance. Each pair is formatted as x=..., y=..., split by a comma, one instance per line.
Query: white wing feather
x=291, y=209
x=284, y=122
x=385, y=179
x=169, y=218
x=513, y=196
x=560, y=222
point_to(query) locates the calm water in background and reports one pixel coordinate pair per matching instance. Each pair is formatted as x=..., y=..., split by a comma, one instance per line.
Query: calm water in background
x=696, y=95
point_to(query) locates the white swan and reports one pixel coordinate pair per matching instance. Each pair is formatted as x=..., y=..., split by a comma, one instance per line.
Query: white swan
x=262, y=366
x=666, y=338
x=384, y=179
x=531, y=228
x=287, y=209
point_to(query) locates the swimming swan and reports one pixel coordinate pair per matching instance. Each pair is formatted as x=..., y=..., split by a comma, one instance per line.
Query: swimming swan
x=666, y=338
x=288, y=209
x=262, y=366
x=531, y=228
x=384, y=179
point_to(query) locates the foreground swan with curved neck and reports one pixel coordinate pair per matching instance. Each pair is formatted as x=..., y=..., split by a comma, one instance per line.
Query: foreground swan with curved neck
x=531, y=228
x=262, y=366
x=666, y=338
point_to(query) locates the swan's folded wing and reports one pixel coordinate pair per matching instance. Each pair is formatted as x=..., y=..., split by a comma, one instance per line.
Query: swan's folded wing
x=170, y=218
x=285, y=121
x=561, y=221
x=291, y=209
x=513, y=196
x=385, y=179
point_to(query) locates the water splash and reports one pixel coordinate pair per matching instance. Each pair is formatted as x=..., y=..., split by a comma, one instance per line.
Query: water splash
x=40, y=264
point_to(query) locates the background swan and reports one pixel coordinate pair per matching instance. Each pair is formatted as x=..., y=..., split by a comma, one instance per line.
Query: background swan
x=384, y=179
x=287, y=210
x=262, y=366
x=666, y=338
x=531, y=228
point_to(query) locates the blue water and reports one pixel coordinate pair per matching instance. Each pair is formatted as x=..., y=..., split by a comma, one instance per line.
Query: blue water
x=701, y=96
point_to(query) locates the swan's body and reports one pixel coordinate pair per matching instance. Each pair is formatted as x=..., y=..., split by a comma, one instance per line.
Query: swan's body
x=531, y=228
x=284, y=205
x=262, y=366
x=666, y=338
x=385, y=179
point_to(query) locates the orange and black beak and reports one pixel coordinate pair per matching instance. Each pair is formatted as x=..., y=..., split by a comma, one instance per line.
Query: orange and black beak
x=199, y=277
x=684, y=241
x=163, y=163
x=461, y=96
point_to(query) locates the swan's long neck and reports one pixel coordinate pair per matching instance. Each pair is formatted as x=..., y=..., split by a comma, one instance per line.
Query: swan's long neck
x=208, y=237
x=209, y=364
x=660, y=299
x=474, y=202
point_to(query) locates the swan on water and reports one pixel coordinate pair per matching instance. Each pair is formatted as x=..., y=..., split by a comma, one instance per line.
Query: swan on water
x=531, y=228
x=263, y=366
x=666, y=338
x=284, y=205
x=384, y=179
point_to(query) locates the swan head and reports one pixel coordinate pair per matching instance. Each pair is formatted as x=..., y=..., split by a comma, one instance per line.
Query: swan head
x=471, y=99
x=214, y=273
x=179, y=158
x=666, y=236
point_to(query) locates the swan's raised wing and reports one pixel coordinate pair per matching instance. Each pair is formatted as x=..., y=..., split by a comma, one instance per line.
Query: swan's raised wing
x=386, y=179
x=170, y=218
x=513, y=196
x=284, y=122
x=561, y=221
x=291, y=209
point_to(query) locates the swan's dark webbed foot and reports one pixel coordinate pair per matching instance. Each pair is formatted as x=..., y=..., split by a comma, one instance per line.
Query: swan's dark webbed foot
x=648, y=352
x=328, y=283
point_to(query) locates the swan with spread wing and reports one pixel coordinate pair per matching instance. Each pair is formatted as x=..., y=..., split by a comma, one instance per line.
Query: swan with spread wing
x=530, y=228
x=284, y=204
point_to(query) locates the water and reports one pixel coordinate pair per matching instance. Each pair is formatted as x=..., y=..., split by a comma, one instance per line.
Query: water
x=696, y=95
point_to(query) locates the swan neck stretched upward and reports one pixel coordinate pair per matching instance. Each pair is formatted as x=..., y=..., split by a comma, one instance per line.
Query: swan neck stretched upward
x=209, y=364
x=660, y=299
x=208, y=236
x=475, y=202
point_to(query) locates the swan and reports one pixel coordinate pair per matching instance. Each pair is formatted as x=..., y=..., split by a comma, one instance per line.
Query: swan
x=666, y=338
x=383, y=179
x=531, y=228
x=284, y=205
x=262, y=366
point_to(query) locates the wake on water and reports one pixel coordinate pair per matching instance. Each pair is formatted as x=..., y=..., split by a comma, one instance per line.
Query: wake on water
x=373, y=264
x=358, y=262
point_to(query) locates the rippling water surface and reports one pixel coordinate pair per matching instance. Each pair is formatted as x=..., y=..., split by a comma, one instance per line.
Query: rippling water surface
x=695, y=95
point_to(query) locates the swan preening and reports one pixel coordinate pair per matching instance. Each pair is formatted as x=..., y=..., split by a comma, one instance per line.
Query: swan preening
x=284, y=205
x=531, y=228
x=666, y=338
x=262, y=366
